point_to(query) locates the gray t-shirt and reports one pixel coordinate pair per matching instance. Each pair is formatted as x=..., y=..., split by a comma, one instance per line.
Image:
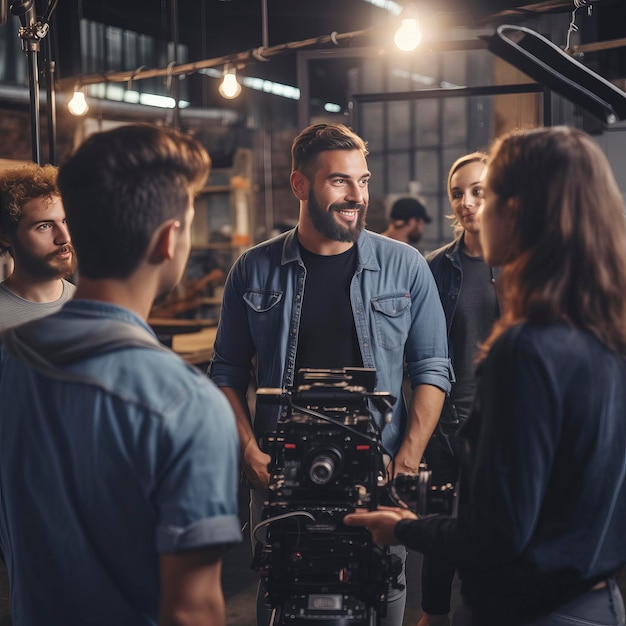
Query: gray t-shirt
x=15, y=310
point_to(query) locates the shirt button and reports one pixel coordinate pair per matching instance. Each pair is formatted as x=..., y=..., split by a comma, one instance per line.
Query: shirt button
x=298, y=297
x=366, y=345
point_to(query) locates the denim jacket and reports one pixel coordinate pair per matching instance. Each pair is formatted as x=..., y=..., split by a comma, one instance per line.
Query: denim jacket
x=396, y=311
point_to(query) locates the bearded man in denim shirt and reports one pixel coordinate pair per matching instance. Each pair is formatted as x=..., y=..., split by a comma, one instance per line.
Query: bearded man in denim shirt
x=329, y=294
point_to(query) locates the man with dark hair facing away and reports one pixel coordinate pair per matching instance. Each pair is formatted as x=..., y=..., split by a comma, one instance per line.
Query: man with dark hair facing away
x=118, y=460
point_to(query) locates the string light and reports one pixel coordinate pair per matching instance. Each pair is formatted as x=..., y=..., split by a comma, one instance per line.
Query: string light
x=78, y=104
x=409, y=35
x=229, y=87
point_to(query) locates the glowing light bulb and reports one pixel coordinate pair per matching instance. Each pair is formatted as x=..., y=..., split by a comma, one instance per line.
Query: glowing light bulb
x=409, y=35
x=78, y=104
x=229, y=87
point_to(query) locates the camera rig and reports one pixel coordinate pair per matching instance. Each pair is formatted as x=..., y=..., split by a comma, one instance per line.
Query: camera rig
x=326, y=461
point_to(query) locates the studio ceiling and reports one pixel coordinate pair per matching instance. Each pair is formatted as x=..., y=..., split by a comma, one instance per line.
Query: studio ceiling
x=216, y=28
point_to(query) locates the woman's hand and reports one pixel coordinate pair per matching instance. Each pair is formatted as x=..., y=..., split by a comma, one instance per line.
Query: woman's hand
x=381, y=523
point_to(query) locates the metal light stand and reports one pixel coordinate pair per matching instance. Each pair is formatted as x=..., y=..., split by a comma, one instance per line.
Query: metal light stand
x=31, y=33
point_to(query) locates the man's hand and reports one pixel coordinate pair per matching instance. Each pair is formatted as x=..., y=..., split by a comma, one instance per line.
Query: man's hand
x=254, y=462
x=406, y=461
x=381, y=523
x=424, y=411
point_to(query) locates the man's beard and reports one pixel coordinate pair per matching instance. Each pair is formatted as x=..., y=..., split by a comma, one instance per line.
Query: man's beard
x=415, y=237
x=326, y=224
x=44, y=267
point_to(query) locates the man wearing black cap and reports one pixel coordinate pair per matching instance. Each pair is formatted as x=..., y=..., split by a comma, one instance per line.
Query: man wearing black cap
x=408, y=218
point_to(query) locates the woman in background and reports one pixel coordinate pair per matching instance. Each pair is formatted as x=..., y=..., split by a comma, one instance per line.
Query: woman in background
x=466, y=286
x=539, y=535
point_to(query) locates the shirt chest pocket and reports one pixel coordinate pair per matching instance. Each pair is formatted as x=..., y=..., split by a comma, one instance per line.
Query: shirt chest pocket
x=264, y=314
x=392, y=317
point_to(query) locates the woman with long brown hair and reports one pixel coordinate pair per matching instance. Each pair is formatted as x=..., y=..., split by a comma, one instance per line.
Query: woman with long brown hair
x=539, y=535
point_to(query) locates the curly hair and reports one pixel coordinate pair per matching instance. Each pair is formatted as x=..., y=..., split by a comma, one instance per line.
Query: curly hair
x=18, y=186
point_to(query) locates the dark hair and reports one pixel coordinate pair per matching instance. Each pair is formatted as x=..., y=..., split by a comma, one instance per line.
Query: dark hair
x=20, y=185
x=319, y=138
x=569, y=261
x=472, y=157
x=120, y=186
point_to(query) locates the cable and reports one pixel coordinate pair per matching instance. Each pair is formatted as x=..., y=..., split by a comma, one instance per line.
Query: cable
x=578, y=4
x=332, y=420
x=277, y=518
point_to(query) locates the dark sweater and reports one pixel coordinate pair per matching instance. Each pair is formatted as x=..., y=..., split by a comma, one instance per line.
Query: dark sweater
x=542, y=494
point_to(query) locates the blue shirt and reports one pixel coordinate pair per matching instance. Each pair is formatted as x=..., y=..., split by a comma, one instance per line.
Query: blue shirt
x=97, y=479
x=397, y=314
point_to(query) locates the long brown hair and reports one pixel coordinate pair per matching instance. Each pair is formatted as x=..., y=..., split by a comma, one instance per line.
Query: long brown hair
x=569, y=262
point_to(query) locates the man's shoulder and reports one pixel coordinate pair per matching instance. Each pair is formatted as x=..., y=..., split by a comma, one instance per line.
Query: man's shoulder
x=388, y=245
x=270, y=251
x=276, y=242
x=6, y=294
x=159, y=381
x=68, y=288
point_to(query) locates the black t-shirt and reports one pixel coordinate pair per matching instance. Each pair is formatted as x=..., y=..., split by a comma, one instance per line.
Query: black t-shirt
x=327, y=336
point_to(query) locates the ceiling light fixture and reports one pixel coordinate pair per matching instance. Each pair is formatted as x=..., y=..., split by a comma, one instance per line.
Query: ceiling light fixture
x=409, y=35
x=229, y=87
x=78, y=104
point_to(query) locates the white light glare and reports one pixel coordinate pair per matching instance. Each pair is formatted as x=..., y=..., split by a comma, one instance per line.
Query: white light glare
x=229, y=88
x=78, y=105
x=409, y=35
x=389, y=5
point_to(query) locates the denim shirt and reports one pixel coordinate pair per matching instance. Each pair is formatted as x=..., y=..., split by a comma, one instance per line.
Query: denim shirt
x=397, y=315
x=137, y=457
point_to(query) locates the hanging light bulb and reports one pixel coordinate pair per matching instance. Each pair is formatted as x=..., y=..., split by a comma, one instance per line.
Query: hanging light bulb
x=78, y=104
x=409, y=35
x=229, y=87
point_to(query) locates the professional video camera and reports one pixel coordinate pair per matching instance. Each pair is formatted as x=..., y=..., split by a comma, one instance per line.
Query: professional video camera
x=327, y=460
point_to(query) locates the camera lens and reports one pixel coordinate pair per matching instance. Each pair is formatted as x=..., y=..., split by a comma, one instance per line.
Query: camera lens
x=324, y=466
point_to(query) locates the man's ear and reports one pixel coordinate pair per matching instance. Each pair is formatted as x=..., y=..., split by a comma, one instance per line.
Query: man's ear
x=165, y=241
x=299, y=185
